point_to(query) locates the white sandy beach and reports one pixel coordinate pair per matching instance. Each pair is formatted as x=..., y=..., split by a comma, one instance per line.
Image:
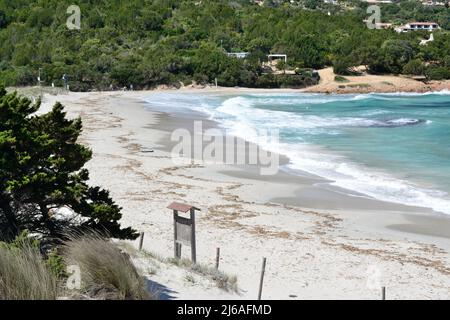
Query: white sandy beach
x=319, y=245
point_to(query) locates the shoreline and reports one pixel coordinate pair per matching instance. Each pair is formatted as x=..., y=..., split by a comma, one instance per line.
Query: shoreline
x=312, y=253
x=335, y=195
x=314, y=186
x=312, y=192
x=363, y=84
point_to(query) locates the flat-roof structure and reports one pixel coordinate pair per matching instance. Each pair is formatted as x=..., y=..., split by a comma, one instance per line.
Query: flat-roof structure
x=415, y=26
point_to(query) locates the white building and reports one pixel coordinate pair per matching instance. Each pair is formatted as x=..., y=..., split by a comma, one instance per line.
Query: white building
x=378, y=1
x=433, y=3
x=414, y=26
x=239, y=55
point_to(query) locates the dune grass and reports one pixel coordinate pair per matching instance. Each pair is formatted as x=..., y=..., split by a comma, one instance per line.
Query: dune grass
x=24, y=275
x=222, y=280
x=359, y=85
x=340, y=79
x=106, y=271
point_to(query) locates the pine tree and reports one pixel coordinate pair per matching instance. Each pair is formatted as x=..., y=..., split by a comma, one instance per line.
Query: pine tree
x=42, y=171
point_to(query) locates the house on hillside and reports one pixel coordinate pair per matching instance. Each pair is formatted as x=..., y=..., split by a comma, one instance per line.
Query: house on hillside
x=414, y=26
x=434, y=3
x=238, y=55
x=378, y=1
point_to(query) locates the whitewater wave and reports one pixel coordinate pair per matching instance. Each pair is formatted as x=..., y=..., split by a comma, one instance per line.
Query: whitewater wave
x=350, y=176
x=243, y=115
x=242, y=109
x=413, y=94
x=239, y=115
x=378, y=185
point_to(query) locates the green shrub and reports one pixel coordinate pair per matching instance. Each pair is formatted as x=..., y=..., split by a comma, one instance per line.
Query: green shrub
x=56, y=264
x=414, y=67
x=342, y=66
x=437, y=73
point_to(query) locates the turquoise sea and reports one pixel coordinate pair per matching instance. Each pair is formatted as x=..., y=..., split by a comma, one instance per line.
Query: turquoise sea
x=393, y=147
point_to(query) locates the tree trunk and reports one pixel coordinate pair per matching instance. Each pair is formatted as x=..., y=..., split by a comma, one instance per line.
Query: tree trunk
x=12, y=228
x=47, y=219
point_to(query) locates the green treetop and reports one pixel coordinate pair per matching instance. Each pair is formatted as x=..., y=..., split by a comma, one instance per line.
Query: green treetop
x=41, y=172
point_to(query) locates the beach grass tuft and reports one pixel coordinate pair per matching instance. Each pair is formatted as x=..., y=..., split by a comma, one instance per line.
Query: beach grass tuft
x=106, y=271
x=24, y=275
x=223, y=280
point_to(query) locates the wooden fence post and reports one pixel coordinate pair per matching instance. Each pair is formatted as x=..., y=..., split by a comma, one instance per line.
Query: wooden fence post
x=383, y=293
x=141, y=241
x=217, y=258
x=193, y=240
x=261, y=282
x=178, y=250
x=175, y=244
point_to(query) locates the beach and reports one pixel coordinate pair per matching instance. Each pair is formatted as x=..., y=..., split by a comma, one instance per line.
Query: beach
x=320, y=243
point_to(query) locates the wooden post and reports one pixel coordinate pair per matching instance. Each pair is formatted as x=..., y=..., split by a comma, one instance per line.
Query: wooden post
x=383, y=293
x=141, y=241
x=178, y=248
x=217, y=258
x=193, y=244
x=263, y=270
x=175, y=244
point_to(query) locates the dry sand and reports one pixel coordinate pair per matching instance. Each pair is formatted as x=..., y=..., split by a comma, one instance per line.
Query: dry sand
x=318, y=244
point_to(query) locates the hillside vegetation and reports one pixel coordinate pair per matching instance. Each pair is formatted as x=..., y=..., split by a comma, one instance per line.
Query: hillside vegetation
x=147, y=43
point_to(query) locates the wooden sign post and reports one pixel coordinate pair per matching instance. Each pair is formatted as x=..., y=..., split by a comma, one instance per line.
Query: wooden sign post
x=184, y=229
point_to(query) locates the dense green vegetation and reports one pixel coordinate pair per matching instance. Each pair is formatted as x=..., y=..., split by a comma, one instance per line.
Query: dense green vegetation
x=403, y=11
x=146, y=43
x=41, y=172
